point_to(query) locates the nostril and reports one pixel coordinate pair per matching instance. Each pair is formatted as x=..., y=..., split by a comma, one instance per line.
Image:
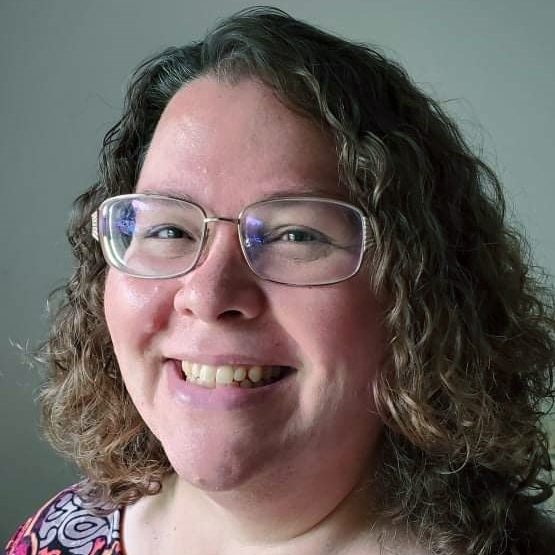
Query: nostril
x=231, y=315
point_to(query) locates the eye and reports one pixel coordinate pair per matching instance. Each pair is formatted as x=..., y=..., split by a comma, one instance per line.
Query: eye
x=167, y=232
x=296, y=235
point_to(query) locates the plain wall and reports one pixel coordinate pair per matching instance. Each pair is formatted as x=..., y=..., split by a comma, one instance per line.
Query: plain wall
x=63, y=67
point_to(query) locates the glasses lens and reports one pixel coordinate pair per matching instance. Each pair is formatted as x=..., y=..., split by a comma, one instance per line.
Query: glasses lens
x=152, y=236
x=303, y=241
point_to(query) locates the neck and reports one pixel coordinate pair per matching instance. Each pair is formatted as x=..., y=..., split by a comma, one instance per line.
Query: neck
x=283, y=520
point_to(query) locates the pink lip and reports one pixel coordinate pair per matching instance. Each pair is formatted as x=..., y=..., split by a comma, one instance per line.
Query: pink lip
x=220, y=398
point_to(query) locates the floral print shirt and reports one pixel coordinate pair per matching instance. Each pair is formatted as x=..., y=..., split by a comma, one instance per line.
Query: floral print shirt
x=64, y=527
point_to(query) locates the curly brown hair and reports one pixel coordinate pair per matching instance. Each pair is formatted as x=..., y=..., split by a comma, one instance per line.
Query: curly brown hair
x=470, y=321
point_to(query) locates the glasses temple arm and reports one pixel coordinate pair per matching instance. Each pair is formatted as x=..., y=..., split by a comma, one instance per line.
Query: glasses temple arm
x=368, y=239
x=94, y=225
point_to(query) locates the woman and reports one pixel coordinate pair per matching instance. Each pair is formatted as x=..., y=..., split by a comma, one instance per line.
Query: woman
x=299, y=323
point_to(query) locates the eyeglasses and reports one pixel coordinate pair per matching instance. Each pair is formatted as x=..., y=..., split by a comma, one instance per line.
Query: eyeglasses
x=292, y=240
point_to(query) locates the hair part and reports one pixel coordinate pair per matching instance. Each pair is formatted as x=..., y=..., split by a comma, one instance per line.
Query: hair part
x=469, y=319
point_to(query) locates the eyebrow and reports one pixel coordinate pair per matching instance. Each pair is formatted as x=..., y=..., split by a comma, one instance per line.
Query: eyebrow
x=168, y=192
x=308, y=191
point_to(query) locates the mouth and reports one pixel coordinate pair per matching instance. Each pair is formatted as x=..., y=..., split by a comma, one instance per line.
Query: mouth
x=232, y=375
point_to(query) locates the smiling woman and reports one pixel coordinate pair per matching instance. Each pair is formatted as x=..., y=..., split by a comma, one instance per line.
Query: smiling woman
x=232, y=441
x=299, y=323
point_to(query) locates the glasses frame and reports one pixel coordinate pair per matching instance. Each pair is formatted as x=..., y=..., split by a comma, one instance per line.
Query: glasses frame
x=99, y=225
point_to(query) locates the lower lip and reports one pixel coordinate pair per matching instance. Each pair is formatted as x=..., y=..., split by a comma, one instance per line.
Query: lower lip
x=222, y=397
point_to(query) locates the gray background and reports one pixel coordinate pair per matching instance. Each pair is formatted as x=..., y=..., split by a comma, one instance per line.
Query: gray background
x=63, y=66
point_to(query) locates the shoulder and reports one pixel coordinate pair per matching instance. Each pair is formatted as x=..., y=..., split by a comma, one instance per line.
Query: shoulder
x=66, y=525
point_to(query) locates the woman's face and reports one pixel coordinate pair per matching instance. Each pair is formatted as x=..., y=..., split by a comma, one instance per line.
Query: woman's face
x=226, y=146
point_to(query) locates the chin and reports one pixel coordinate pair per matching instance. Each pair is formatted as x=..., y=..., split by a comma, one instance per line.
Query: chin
x=211, y=468
x=212, y=478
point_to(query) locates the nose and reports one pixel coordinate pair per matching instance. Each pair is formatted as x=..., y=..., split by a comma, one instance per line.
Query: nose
x=221, y=287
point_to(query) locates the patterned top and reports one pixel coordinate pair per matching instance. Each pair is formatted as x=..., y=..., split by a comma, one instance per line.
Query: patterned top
x=64, y=527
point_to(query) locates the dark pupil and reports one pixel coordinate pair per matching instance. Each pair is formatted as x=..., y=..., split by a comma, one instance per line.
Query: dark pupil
x=173, y=233
x=298, y=236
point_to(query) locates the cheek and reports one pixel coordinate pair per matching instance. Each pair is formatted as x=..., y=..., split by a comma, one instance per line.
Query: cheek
x=340, y=339
x=134, y=310
x=336, y=326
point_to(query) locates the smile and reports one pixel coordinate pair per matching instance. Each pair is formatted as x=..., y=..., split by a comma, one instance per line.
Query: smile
x=227, y=375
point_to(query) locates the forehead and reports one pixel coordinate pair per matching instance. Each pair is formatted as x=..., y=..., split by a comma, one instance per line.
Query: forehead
x=229, y=145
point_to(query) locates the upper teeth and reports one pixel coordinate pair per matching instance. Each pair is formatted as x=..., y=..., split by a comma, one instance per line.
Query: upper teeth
x=226, y=374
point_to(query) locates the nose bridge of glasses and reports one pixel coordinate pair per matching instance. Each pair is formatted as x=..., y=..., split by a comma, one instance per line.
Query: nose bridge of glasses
x=209, y=236
x=221, y=219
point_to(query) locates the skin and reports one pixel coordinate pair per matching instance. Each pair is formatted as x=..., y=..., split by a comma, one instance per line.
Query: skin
x=280, y=477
